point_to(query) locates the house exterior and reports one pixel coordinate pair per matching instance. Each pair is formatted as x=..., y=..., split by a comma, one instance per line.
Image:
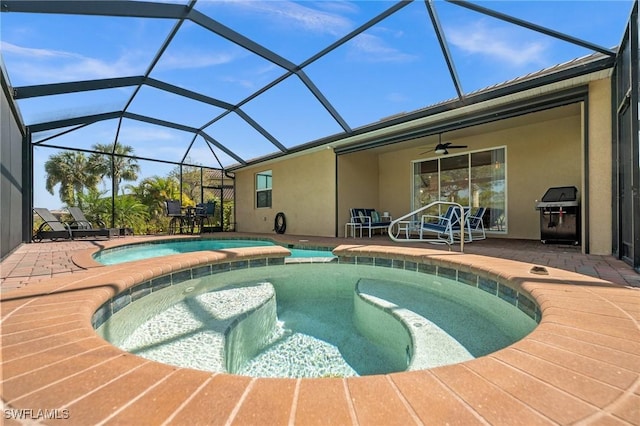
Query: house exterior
x=575, y=124
x=565, y=140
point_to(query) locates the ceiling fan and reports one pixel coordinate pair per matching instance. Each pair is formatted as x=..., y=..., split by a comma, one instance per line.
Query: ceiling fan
x=442, y=148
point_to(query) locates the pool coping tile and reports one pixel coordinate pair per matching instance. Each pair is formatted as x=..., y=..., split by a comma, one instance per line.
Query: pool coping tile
x=602, y=321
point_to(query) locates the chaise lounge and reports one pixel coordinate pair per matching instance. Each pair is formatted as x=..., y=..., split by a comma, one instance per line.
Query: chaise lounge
x=54, y=229
x=80, y=221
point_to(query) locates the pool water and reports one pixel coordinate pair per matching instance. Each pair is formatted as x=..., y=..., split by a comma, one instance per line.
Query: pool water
x=133, y=252
x=318, y=330
x=316, y=337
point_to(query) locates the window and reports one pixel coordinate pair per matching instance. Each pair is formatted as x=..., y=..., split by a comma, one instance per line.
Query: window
x=263, y=189
x=475, y=179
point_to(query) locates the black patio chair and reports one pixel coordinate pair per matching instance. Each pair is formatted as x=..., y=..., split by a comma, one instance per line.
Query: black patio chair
x=205, y=211
x=177, y=219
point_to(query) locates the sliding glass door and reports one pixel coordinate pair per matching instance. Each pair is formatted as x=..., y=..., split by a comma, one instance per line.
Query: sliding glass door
x=475, y=179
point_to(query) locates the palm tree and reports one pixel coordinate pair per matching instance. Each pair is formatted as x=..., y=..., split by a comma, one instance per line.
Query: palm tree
x=124, y=167
x=96, y=205
x=74, y=172
x=131, y=213
x=153, y=191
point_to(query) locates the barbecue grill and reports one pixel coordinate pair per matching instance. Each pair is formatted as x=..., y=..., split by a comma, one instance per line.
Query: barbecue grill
x=560, y=215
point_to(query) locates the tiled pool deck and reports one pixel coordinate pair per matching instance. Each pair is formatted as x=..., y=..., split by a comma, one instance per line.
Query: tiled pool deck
x=580, y=366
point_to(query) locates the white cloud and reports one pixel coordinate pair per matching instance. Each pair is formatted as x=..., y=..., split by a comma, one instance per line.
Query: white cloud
x=396, y=98
x=290, y=14
x=343, y=7
x=34, y=65
x=242, y=82
x=371, y=48
x=254, y=79
x=193, y=59
x=497, y=43
x=33, y=53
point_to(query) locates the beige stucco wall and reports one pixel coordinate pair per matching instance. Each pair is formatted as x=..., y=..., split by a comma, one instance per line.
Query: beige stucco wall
x=542, y=151
x=600, y=164
x=539, y=155
x=358, y=177
x=304, y=190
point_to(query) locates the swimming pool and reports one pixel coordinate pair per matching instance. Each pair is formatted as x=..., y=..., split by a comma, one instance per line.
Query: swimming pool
x=329, y=320
x=131, y=252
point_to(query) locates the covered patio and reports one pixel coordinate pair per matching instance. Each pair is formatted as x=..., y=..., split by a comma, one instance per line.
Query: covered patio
x=245, y=104
x=330, y=141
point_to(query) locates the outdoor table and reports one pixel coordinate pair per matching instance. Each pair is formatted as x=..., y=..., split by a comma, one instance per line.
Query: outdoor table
x=189, y=218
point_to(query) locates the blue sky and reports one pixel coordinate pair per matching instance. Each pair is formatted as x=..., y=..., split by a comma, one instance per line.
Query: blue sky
x=394, y=67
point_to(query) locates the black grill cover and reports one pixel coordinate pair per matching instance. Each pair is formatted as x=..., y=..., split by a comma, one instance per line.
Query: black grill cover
x=560, y=215
x=560, y=193
x=560, y=196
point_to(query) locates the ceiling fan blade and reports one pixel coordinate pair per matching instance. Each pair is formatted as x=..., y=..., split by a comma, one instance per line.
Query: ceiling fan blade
x=442, y=148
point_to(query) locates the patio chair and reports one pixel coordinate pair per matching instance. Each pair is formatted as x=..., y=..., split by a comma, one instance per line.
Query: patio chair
x=475, y=224
x=369, y=219
x=80, y=221
x=54, y=229
x=174, y=212
x=443, y=226
x=204, y=211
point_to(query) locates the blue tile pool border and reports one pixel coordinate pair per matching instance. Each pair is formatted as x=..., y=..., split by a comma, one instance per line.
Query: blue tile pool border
x=498, y=289
x=156, y=242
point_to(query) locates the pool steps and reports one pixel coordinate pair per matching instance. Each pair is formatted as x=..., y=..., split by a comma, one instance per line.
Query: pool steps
x=426, y=345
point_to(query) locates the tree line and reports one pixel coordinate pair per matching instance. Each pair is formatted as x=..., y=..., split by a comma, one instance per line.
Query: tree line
x=138, y=206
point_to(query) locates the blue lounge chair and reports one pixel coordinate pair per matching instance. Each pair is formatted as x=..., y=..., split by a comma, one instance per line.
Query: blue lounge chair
x=473, y=225
x=443, y=226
